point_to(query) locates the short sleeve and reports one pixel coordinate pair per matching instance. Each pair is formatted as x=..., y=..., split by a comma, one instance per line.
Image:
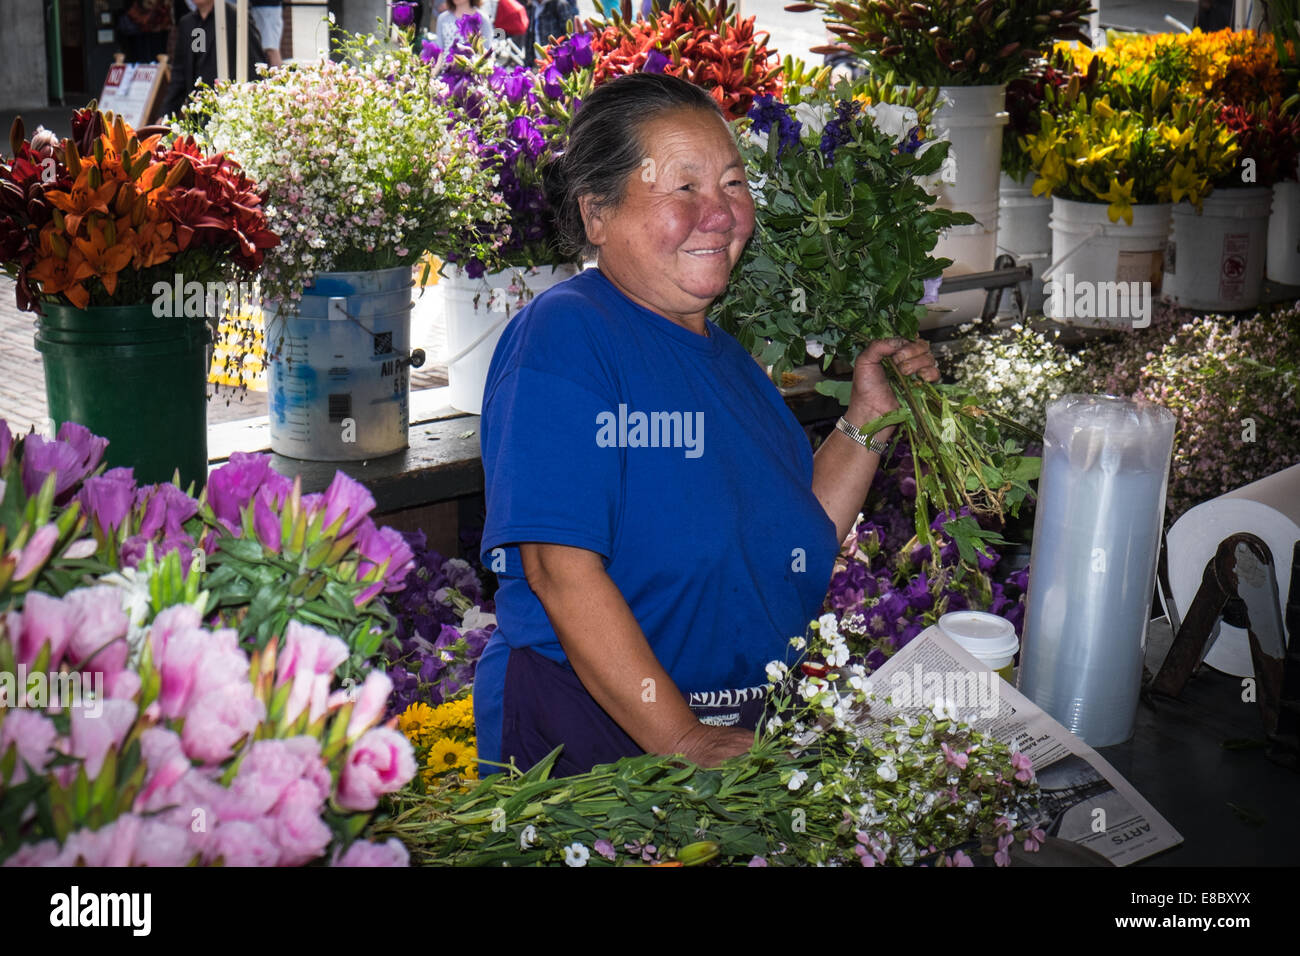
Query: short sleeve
x=546, y=478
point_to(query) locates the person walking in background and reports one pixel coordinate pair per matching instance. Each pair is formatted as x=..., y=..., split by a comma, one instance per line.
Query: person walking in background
x=268, y=16
x=144, y=27
x=195, y=58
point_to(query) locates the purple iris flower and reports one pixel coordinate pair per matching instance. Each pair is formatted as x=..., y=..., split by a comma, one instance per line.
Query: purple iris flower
x=551, y=82
x=580, y=49
x=563, y=59
x=654, y=62
x=530, y=140
x=403, y=14
x=470, y=26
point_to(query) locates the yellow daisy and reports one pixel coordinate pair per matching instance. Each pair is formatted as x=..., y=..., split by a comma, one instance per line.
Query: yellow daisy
x=447, y=755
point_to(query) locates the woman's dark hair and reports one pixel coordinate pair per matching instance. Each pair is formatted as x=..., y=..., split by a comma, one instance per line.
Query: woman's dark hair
x=605, y=147
x=450, y=5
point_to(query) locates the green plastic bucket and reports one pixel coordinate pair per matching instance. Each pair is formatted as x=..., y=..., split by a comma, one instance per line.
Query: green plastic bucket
x=134, y=378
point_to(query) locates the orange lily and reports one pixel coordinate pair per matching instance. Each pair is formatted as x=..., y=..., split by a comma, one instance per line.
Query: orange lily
x=106, y=257
x=60, y=269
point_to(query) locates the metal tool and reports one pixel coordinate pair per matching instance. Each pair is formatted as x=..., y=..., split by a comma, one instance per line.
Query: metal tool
x=1239, y=587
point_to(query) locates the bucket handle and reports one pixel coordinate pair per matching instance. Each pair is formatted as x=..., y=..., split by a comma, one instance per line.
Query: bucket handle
x=452, y=359
x=1093, y=234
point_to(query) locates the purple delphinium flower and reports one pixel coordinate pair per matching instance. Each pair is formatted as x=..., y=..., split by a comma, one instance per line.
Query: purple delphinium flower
x=837, y=131
x=767, y=112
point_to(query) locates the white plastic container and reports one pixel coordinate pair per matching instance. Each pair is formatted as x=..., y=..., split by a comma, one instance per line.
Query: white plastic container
x=972, y=118
x=1283, y=264
x=1097, y=527
x=1089, y=250
x=339, y=375
x=988, y=638
x=1216, y=259
x=476, y=312
x=1025, y=232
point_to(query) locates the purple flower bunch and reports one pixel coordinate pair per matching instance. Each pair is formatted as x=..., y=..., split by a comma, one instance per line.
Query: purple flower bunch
x=838, y=130
x=885, y=589
x=506, y=114
x=443, y=623
x=403, y=14
x=133, y=749
x=768, y=113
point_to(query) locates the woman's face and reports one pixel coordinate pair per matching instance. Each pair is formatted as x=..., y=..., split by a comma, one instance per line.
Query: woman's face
x=673, y=241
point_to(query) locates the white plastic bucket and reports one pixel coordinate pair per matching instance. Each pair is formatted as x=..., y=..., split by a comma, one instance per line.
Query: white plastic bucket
x=476, y=312
x=972, y=118
x=1098, y=264
x=340, y=367
x=1283, y=264
x=1216, y=259
x=1025, y=233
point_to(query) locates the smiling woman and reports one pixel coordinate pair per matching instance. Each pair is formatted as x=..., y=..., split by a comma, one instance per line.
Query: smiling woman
x=642, y=588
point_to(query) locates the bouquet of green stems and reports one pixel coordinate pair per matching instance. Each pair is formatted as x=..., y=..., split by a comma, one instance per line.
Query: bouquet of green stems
x=841, y=257
x=822, y=785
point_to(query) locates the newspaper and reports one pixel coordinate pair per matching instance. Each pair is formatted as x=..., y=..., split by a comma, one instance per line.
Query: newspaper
x=1084, y=800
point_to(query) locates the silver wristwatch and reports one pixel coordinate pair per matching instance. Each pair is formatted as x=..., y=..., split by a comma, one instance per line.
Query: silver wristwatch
x=875, y=444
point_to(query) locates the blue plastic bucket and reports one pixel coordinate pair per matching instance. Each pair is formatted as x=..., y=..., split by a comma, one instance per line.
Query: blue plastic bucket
x=339, y=376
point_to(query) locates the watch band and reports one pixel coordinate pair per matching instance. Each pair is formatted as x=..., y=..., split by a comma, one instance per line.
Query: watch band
x=875, y=444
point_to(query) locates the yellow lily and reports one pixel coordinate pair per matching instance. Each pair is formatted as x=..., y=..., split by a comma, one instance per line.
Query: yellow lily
x=1120, y=197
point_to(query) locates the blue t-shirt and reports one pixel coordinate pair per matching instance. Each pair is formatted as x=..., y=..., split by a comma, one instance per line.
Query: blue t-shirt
x=608, y=427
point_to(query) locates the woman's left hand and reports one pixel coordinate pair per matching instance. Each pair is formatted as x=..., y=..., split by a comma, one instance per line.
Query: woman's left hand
x=872, y=395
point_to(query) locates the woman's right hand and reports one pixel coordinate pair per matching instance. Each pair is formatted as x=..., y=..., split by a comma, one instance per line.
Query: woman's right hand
x=709, y=746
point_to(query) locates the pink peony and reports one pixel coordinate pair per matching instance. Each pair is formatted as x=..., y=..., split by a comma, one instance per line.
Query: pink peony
x=268, y=770
x=43, y=618
x=128, y=840
x=92, y=737
x=308, y=659
x=36, y=552
x=240, y=843
x=296, y=825
x=219, y=720
x=34, y=734
x=98, y=643
x=364, y=853
x=371, y=702
x=380, y=762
